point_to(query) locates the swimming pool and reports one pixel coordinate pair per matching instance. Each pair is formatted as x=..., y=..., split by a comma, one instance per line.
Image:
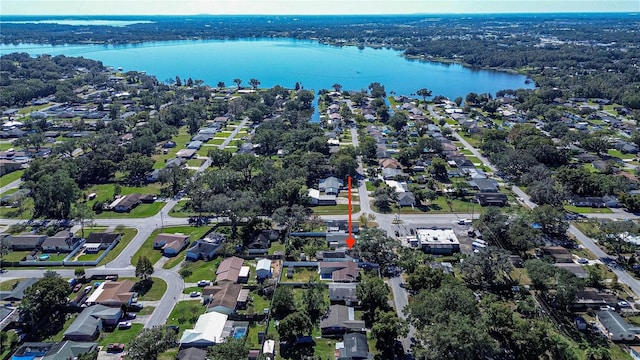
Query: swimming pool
x=239, y=333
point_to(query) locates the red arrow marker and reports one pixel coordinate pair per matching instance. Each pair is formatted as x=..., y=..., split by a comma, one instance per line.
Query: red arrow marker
x=351, y=241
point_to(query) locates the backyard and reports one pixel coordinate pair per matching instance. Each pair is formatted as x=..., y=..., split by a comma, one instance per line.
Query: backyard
x=155, y=254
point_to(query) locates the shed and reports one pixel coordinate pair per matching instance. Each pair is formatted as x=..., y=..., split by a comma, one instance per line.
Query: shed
x=263, y=269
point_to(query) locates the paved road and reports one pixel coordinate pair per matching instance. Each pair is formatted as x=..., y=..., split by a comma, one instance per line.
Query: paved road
x=400, y=300
x=11, y=185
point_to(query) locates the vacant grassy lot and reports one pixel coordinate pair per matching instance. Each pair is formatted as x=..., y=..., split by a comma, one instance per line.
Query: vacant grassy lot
x=9, y=284
x=587, y=210
x=140, y=211
x=202, y=270
x=120, y=336
x=153, y=254
x=340, y=209
x=158, y=288
x=185, y=314
x=11, y=177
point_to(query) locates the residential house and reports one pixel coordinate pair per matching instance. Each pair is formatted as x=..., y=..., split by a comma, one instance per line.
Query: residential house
x=210, y=329
x=354, y=346
x=192, y=353
x=594, y=299
x=269, y=349
x=100, y=241
x=634, y=351
x=8, y=166
x=331, y=185
x=26, y=241
x=390, y=173
x=17, y=293
x=224, y=298
x=64, y=350
x=595, y=201
x=263, y=239
x=125, y=203
x=203, y=138
x=229, y=270
x=559, y=254
x=171, y=244
x=339, y=271
x=318, y=199
x=263, y=269
x=390, y=163
x=339, y=320
x=342, y=226
x=616, y=327
x=343, y=293
x=89, y=323
x=491, y=199
x=576, y=269
x=484, y=185
x=113, y=293
x=406, y=199
x=186, y=153
x=63, y=241
x=205, y=248
x=196, y=145
x=333, y=255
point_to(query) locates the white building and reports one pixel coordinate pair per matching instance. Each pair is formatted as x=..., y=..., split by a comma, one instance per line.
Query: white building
x=208, y=331
x=438, y=241
x=263, y=269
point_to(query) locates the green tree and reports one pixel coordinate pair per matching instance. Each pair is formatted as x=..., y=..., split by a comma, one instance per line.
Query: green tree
x=175, y=176
x=151, y=342
x=230, y=349
x=540, y=272
x=425, y=93
x=44, y=297
x=376, y=246
x=486, y=267
x=79, y=272
x=438, y=169
x=144, y=268
x=83, y=214
x=294, y=325
x=254, y=83
x=386, y=328
x=136, y=167
x=53, y=195
x=219, y=157
x=373, y=294
x=551, y=219
x=313, y=303
x=282, y=303
x=425, y=277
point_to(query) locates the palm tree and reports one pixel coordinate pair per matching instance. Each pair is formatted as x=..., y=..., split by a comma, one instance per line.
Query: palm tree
x=238, y=82
x=337, y=87
x=221, y=84
x=424, y=93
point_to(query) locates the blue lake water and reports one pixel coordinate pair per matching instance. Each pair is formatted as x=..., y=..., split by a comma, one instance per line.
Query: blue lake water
x=285, y=62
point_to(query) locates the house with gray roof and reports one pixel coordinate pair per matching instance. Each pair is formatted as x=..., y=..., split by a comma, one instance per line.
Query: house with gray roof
x=616, y=328
x=354, y=346
x=18, y=291
x=343, y=293
x=26, y=241
x=331, y=185
x=90, y=322
x=484, y=185
x=340, y=320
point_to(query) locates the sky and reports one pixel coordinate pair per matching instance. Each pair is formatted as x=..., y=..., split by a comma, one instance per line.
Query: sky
x=307, y=7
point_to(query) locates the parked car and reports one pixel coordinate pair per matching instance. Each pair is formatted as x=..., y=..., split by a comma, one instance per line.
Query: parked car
x=135, y=307
x=583, y=261
x=115, y=347
x=97, y=283
x=124, y=325
x=194, y=294
x=131, y=316
x=623, y=304
x=77, y=287
x=203, y=283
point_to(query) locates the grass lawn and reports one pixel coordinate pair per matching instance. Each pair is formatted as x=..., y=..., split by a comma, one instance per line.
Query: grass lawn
x=340, y=209
x=620, y=155
x=127, y=235
x=202, y=270
x=58, y=337
x=190, y=289
x=217, y=140
x=185, y=314
x=10, y=191
x=471, y=140
x=587, y=227
x=158, y=288
x=302, y=275
x=104, y=192
x=181, y=210
x=6, y=145
x=154, y=255
x=32, y=108
x=141, y=211
x=11, y=177
x=370, y=186
x=147, y=310
x=9, y=284
x=195, y=162
x=173, y=262
x=120, y=336
x=587, y=210
x=252, y=336
x=276, y=246
x=170, y=354
x=13, y=256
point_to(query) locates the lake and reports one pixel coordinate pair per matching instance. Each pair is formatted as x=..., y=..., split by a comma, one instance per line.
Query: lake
x=287, y=61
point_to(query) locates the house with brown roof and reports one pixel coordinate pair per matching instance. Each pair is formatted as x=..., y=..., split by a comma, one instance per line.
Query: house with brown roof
x=390, y=163
x=229, y=270
x=113, y=293
x=63, y=241
x=171, y=244
x=559, y=254
x=125, y=203
x=343, y=271
x=224, y=298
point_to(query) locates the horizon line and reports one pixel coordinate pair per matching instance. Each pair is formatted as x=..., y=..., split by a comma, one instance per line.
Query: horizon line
x=341, y=14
